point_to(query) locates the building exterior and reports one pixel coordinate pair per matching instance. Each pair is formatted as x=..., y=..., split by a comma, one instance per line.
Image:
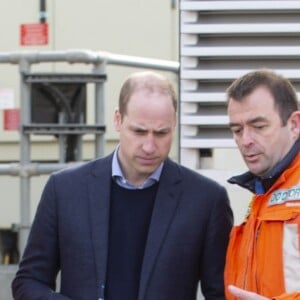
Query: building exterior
x=214, y=42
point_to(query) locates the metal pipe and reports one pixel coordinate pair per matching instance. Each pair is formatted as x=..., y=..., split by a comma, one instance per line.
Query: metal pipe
x=87, y=56
x=99, y=110
x=34, y=169
x=43, y=12
x=25, y=203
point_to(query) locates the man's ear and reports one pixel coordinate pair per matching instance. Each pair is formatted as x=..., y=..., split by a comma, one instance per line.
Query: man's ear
x=295, y=124
x=117, y=119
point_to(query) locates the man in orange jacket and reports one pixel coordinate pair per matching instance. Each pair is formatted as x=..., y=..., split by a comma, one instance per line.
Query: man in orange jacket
x=263, y=257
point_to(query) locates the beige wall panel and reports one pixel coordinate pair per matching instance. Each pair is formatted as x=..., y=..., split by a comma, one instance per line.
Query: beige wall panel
x=128, y=27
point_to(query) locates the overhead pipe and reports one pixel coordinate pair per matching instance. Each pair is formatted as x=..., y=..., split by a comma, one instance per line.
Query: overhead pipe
x=33, y=169
x=88, y=56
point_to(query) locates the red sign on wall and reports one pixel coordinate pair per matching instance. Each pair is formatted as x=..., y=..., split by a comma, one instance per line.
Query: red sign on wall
x=34, y=34
x=11, y=119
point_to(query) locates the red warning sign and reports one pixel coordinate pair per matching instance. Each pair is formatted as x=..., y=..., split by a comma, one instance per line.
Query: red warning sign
x=11, y=119
x=34, y=34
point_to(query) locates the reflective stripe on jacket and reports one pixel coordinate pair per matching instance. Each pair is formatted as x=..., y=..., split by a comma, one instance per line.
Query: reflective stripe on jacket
x=263, y=255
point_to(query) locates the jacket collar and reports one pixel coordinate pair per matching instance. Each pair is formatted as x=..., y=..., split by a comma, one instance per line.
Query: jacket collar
x=247, y=180
x=98, y=184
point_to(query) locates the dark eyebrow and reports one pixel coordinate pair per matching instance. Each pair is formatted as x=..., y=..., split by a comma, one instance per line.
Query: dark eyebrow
x=257, y=119
x=251, y=121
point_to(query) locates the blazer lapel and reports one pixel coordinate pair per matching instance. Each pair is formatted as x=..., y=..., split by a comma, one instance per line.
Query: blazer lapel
x=99, y=195
x=166, y=202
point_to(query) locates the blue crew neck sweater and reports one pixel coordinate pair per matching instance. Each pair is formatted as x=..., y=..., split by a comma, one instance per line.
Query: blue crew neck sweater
x=130, y=216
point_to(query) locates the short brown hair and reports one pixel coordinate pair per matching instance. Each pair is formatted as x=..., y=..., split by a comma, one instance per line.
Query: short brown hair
x=282, y=90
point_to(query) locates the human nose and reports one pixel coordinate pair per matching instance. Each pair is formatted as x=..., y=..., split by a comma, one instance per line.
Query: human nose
x=149, y=144
x=247, y=137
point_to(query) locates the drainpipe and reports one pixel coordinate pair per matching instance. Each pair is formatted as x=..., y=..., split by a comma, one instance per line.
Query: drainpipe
x=43, y=12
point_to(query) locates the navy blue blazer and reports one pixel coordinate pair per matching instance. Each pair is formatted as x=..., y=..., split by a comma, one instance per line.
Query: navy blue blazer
x=187, y=238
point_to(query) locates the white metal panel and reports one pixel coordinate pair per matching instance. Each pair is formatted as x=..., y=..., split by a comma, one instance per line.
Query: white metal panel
x=203, y=97
x=259, y=6
x=206, y=143
x=211, y=120
x=242, y=29
x=293, y=74
x=242, y=52
x=220, y=41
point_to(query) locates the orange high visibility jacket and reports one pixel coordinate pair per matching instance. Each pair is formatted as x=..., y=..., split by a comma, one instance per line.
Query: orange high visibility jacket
x=263, y=255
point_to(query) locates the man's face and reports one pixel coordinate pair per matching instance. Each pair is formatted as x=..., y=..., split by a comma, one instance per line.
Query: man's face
x=258, y=131
x=146, y=132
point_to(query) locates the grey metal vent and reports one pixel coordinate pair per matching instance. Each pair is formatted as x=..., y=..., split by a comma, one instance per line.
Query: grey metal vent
x=220, y=41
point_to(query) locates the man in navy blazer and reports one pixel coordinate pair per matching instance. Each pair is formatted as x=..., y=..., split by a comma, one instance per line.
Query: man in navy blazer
x=133, y=225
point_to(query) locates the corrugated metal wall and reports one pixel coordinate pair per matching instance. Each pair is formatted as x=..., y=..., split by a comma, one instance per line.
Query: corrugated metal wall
x=219, y=41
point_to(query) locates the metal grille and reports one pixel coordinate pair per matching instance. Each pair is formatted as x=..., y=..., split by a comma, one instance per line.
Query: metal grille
x=220, y=41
